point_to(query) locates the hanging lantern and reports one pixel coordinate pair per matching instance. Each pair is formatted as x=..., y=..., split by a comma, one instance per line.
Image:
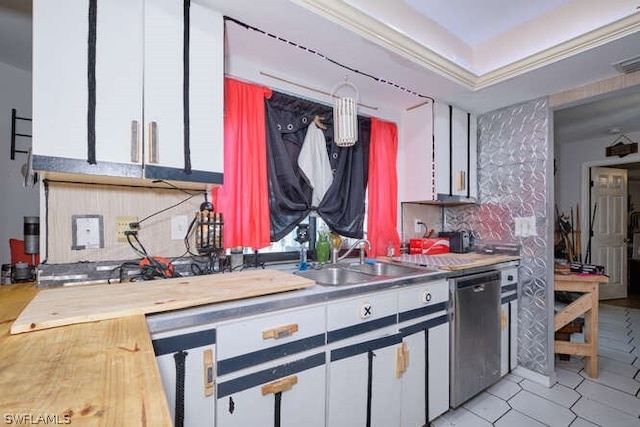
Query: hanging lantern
x=345, y=116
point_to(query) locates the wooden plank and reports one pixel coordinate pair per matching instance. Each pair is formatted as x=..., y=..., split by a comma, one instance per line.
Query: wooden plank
x=477, y=260
x=65, y=306
x=578, y=349
x=572, y=311
x=94, y=374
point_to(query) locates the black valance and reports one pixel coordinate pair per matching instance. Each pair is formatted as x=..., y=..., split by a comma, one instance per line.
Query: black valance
x=290, y=195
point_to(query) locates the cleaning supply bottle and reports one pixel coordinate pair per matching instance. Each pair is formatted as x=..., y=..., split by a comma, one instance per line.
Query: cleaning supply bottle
x=323, y=248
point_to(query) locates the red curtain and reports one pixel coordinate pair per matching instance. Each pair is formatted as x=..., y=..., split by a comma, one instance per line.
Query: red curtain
x=243, y=199
x=382, y=210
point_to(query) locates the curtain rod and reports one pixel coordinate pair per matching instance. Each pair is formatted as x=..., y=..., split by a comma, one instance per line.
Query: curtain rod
x=310, y=88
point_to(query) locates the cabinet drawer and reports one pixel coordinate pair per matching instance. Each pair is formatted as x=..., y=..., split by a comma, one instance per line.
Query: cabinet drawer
x=360, y=315
x=250, y=342
x=423, y=301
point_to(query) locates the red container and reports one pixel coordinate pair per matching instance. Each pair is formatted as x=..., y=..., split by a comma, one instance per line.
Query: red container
x=431, y=246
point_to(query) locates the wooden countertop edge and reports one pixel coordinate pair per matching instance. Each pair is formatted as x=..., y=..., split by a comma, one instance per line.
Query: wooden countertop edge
x=100, y=373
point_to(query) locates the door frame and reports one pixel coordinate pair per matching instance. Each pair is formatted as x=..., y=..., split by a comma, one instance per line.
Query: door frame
x=585, y=202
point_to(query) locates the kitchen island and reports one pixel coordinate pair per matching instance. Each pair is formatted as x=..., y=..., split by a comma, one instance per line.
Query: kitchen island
x=105, y=372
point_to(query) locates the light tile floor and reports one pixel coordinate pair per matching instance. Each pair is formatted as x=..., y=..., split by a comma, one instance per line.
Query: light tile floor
x=576, y=400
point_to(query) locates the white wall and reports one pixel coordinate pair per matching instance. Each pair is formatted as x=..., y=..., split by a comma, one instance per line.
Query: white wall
x=569, y=160
x=16, y=201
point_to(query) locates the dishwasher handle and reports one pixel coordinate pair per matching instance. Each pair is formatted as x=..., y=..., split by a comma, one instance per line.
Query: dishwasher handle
x=479, y=288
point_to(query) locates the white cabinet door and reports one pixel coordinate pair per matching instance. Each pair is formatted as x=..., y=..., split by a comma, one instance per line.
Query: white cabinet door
x=138, y=60
x=363, y=386
x=424, y=324
x=509, y=320
x=61, y=84
x=363, y=343
x=513, y=339
x=290, y=394
x=183, y=101
x=417, y=152
x=272, y=367
x=186, y=364
x=504, y=338
x=455, y=148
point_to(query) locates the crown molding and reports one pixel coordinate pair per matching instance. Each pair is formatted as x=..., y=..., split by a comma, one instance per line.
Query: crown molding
x=385, y=36
x=582, y=43
x=372, y=29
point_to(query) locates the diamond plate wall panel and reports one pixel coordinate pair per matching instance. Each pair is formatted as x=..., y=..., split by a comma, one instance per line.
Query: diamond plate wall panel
x=514, y=176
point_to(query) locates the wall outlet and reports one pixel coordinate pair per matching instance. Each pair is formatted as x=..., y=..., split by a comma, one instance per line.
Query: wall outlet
x=417, y=225
x=122, y=225
x=179, y=224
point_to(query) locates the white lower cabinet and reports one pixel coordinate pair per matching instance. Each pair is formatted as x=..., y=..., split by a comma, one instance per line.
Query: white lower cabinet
x=363, y=342
x=424, y=325
x=509, y=320
x=379, y=359
x=288, y=394
x=186, y=362
x=271, y=370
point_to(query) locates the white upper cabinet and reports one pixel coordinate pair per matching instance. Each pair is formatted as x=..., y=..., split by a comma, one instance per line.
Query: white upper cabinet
x=455, y=148
x=439, y=149
x=417, y=152
x=133, y=80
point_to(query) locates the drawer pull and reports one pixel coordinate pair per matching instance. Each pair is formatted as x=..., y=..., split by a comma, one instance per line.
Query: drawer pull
x=153, y=142
x=135, y=142
x=280, y=332
x=208, y=372
x=280, y=385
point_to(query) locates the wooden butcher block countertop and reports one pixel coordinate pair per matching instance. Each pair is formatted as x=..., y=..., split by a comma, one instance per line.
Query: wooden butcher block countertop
x=92, y=374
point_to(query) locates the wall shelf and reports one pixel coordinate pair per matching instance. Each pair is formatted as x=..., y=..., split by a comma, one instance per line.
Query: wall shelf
x=15, y=134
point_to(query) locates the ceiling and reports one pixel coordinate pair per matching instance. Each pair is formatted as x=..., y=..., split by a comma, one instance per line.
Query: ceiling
x=480, y=56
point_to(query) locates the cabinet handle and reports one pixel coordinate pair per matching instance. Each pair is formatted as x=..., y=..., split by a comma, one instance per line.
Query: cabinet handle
x=153, y=142
x=280, y=332
x=402, y=359
x=135, y=141
x=208, y=372
x=280, y=385
x=461, y=180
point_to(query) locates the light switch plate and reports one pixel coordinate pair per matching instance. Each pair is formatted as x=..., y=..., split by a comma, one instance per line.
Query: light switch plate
x=525, y=226
x=87, y=232
x=179, y=224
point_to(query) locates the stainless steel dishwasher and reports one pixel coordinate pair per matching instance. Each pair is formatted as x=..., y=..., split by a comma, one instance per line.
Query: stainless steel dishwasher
x=474, y=335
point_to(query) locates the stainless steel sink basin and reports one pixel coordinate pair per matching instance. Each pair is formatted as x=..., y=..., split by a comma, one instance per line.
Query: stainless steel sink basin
x=336, y=276
x=385, y=269
x=351, y=274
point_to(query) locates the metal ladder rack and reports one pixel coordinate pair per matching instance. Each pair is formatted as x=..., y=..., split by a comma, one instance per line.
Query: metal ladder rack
x=14, y=133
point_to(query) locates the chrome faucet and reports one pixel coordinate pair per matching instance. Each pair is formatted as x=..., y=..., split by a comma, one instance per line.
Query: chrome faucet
x=334, y=251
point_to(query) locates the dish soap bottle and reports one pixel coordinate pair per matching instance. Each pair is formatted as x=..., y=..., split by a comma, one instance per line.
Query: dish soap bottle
x=323, y=248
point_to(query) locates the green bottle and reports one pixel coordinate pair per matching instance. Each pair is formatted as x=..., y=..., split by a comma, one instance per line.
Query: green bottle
x=323, y=248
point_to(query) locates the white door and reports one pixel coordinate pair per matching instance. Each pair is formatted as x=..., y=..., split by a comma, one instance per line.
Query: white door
x=363, y=385
x=609, y=241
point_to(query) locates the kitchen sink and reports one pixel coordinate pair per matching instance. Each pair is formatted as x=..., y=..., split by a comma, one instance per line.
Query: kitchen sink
x=385, y=269
x=351, y=274
x=336, y=275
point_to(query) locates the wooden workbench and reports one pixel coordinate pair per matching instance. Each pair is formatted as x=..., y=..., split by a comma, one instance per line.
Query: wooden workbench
x=587, y=304
x=92, y=374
